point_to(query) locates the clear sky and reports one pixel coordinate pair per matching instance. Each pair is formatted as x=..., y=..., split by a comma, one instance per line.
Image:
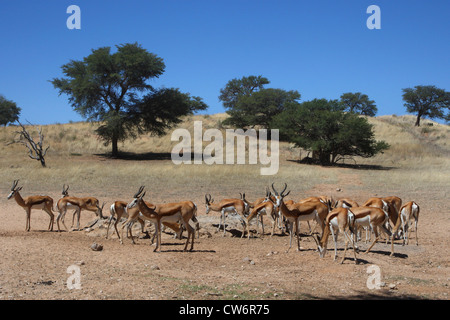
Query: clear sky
x=320, y=48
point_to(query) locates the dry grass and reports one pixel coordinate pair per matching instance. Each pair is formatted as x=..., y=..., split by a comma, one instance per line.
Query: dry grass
x=418, y=157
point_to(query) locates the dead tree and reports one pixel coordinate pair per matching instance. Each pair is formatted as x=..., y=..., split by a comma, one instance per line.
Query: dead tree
x=36, y=149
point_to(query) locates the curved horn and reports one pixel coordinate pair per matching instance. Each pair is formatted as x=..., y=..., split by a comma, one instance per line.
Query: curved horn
x=275, y=190
x=285, y=187
x=14, y=185
x=136, y=195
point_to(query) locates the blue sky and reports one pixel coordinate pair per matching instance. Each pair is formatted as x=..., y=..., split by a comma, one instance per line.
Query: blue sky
x=319, y=48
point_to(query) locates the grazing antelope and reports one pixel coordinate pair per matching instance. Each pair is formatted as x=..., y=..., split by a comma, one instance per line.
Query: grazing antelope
x=32, y=202
x=339, y=220
x=87, y=203
x=395, y=204
x=349, y=203
x=180, y=212
x=300, y=212
x=234, y=206
x=267, y=208
x=374, y=218
x=345, y=203
x=409, y=212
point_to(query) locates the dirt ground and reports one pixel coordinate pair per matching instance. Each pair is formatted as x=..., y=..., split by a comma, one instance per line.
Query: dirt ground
x=34, y=265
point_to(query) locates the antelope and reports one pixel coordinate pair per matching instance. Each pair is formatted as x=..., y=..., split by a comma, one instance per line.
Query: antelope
x=44, y=203
x=300, y=212
x=119, y=210
x=408, y=212
x=345, y=203
x=64, y=194
x=171, y=212
x=251, y=205
x=324, y=199
x=233, y=206
x=395, y=204
x=374, y=218
x=266, y=207
x=321, y=208
x=86, y=203
x=349, y=203
x=338, y=220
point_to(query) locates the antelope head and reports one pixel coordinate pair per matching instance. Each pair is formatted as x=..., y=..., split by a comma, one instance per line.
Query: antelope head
x=322, y=250
x=137, y=197
x=208, y=202
x=14, y=189
x=65, y=191
x=99, y=211
x=279, y=196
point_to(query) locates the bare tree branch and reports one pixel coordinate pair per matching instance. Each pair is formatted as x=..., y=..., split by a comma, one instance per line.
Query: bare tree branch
x=35, y=149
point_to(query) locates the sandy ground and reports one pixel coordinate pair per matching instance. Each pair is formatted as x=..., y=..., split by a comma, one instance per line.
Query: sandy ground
x=35, y=264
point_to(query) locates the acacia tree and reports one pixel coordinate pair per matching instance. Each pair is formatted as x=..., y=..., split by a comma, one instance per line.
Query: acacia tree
x=113, y=88
x=250, y=104
x=9, y=111
x=322, y=126
x=359, y=103
x=427, y=101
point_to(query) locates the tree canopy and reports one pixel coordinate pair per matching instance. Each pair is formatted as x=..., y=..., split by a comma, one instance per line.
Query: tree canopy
x=113, y=88
x=250, y=104
x=9, y=111
x=427, y=101
x=322, y=126
x=359, y=103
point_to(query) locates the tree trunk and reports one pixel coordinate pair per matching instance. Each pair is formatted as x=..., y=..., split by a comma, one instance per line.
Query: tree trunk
x=418, y=121
x=324, y=158
x=115, y=149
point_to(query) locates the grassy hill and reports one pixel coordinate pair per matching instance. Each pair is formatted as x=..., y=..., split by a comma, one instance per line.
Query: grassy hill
x=417, y=157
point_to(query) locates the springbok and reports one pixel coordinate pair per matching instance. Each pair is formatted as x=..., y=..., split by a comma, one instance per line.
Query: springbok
x=44, y=203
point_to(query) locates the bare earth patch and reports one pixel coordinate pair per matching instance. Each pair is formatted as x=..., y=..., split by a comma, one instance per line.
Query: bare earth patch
x=34, y=264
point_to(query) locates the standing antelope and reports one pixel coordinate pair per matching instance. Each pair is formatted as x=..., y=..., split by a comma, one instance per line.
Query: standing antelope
x=87, y=203
x=300, y=212
x=338, y=220
x=32, y=202
x=234, y=206
x=180, y=212
x=251, y=205
x=409, y=212
x=118, y=210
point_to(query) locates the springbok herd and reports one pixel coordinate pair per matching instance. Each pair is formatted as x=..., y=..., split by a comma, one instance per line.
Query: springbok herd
x=342, y=216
